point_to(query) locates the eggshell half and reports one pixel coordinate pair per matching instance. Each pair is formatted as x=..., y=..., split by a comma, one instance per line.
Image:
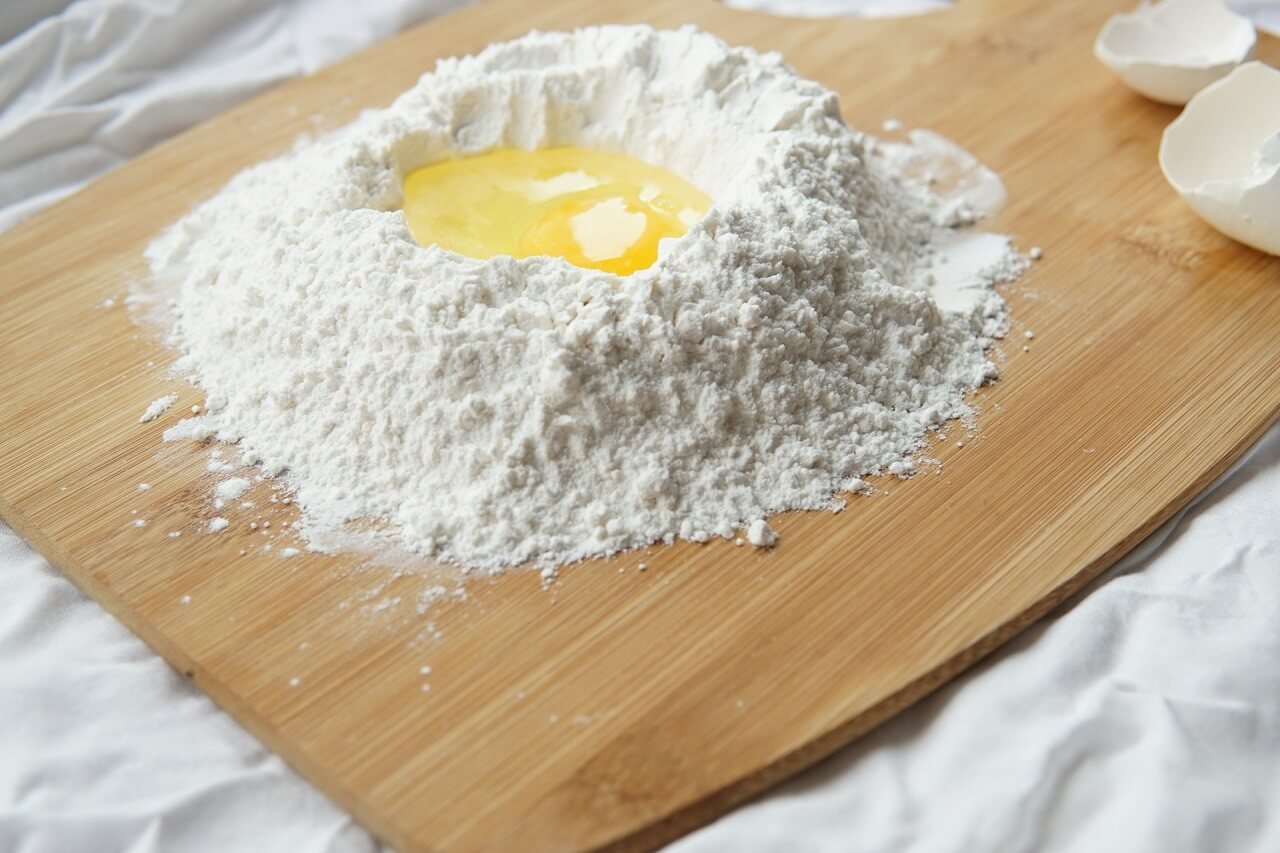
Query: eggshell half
x=1173, y=49
x=1223, y=155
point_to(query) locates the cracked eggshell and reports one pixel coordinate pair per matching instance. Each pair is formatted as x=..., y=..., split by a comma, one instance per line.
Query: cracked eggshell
x=1222, y=155
x=1173, y=49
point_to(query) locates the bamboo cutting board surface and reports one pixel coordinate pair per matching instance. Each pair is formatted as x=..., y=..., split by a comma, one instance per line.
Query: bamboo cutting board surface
x=624, y=708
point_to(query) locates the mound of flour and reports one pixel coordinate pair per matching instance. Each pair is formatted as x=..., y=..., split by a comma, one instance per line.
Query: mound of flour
x=500, y=411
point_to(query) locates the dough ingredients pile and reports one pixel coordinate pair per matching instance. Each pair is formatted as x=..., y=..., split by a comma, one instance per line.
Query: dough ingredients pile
x=494, y=412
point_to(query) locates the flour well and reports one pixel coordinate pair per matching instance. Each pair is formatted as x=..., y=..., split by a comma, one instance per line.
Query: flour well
x=500, y=411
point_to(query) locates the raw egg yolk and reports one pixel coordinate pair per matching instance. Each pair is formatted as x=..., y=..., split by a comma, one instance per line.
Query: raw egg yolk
x=596, y=209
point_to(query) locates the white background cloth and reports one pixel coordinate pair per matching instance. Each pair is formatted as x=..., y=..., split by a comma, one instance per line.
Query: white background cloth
x=1143, y=716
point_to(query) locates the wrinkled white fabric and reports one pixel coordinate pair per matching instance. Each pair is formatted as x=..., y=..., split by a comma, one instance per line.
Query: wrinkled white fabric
x=840, y=8
x=107, y=79
x=1265, y=14
x=1143, y=716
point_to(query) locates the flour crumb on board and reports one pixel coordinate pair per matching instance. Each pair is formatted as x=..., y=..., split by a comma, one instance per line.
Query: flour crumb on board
x=230, y=489
x=761, y=535
x=158, y=407
x=218, y=524
x=428, y=597
x=216, y=464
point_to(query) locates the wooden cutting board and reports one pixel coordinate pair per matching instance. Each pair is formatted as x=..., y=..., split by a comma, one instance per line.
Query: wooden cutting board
x=622, y=708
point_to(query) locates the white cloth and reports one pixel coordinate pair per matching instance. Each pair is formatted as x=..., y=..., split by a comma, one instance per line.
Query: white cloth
x=1265, y=14
x=1143, y=716
x=839, y=8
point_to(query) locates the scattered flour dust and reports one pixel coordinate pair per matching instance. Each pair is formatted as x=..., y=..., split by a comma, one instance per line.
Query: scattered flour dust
x=231, y=488
x=158, y=407
x=502, y=411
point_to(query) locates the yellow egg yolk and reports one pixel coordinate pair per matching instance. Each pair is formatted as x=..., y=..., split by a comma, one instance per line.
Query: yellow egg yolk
x=595, y=209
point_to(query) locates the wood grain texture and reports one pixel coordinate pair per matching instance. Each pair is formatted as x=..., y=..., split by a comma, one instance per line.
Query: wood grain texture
x=624, y=709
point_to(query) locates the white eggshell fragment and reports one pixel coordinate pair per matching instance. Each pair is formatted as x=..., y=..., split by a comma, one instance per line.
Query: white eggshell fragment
x=1173, y=49
x=1223, y=155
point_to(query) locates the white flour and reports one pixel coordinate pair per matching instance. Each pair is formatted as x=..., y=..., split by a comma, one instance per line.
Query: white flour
x=158, y=407
x=495, y=412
